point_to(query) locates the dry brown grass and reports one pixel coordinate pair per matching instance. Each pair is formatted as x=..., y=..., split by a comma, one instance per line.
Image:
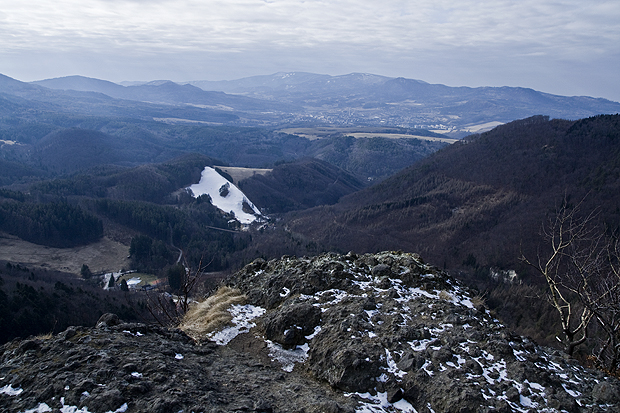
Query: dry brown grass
x=211, y=314
x=479, y=301
x=444, y=295
x=47, y=336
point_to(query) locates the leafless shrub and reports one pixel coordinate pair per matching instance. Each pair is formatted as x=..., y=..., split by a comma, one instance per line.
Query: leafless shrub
x=582, y=271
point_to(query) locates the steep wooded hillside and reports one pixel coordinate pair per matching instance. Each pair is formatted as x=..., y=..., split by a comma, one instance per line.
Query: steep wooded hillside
x=483, y=199
x=299, y=185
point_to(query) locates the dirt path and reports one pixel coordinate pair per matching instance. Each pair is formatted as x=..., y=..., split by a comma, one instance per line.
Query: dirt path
x=103, y=256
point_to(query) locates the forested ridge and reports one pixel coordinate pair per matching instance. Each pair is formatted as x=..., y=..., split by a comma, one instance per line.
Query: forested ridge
x=474, y=208
x=35, y=301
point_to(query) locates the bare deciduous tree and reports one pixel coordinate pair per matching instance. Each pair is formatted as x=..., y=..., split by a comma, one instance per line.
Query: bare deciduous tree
x=581, y=269
x=168, y=309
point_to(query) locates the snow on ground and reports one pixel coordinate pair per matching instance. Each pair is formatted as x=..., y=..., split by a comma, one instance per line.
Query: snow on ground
x=242, y=323
x=211, y=182
x=133, y=282
x=44, y=407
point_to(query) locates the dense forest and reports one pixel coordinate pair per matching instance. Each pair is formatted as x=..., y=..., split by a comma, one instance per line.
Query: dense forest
x=34, y=301
x=56, y=224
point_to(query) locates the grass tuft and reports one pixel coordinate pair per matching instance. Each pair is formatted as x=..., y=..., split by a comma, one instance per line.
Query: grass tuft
x=211, y=314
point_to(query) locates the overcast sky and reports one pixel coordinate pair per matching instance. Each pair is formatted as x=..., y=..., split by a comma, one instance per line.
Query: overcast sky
x=567, y=47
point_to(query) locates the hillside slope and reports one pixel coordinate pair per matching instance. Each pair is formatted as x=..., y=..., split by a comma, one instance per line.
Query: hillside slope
x=374, y=333
x=299, y=185
x=485, y=197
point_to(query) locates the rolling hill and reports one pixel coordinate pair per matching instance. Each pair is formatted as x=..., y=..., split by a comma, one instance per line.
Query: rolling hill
x=299, y=185
x=485, y=197
x=352, y=99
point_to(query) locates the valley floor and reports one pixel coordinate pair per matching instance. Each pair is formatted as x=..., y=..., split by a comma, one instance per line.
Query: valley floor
x=103, y=256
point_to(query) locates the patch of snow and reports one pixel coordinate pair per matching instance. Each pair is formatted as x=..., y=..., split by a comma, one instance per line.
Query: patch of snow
x=41, y=408
x=10, y=391
x=500, y=370
x=419, y=345
x=573, y=393
x=379, y=404
x=426, y=366
x=460, y=360
x=132, y=282
x=535, y=386
x=518, y=354
x=287, y=358
x=211, y=182
x=392, y=365
x=527, y=402
x=371, y=313
x=75, y=409
x=242, y=323
x=136, y=375
x=285, y=292
x=178, y=356
x=317, y=329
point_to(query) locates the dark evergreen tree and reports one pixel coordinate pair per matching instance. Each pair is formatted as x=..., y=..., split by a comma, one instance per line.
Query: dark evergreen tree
x=85, y=272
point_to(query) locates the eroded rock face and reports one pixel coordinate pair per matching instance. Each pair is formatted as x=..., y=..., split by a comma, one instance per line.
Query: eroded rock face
x=335, y=333
x=397, y=332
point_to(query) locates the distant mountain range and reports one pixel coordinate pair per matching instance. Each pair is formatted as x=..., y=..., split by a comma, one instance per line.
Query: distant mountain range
x=353, y=99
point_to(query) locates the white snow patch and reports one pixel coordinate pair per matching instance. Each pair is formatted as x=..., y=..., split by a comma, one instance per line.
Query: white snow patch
x=573, y=393
x=527, y=402
x=75, y=409
x=392, y=368
x=317, y=329
x=500, y=370
x=242, y=323
x=132, y=282
x=41, y=408
x=535, y=386
x=10, y=391
x=380, y=404
x=211, y=182
x=419, y=345
x=287, y=358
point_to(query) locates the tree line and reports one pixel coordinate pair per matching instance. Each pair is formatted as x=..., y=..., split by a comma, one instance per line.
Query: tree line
x=55, y=224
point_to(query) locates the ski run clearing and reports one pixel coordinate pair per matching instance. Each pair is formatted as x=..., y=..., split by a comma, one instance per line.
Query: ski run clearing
x=230, y=200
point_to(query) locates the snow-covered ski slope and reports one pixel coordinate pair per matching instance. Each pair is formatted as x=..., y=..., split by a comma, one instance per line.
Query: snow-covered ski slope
x=211, y=182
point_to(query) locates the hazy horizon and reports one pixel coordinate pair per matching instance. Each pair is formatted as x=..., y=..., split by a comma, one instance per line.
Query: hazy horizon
x=561, y=47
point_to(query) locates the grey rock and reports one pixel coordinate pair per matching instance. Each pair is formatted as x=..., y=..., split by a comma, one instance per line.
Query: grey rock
x=108, y=320
x=376, y=323
x=606, y=392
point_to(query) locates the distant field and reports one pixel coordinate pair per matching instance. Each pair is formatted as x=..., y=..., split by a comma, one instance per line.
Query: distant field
x=103, y=256
x=401, y=136
x=145, y=279
x=239, y=174
x=318, y=132
x=321, y=132
x=483, y=127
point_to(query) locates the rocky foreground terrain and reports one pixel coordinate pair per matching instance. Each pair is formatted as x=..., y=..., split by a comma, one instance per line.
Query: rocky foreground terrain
x=334, y=333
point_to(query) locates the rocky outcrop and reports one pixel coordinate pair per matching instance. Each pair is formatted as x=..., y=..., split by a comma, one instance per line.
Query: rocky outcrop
x=396, y=333
x=333, y=333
